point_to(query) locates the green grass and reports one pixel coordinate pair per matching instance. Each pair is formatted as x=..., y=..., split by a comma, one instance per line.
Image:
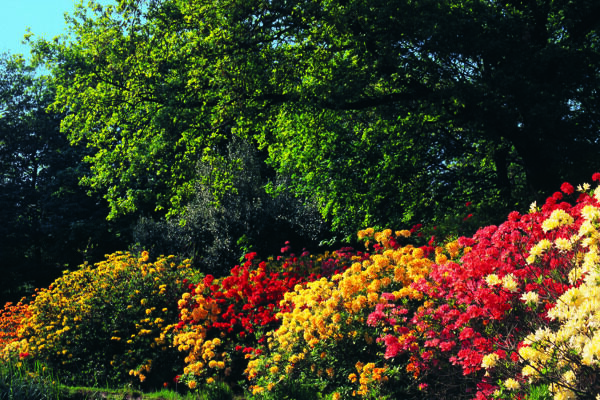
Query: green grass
x=216, y=392
x=18, y=381
x=23, y=380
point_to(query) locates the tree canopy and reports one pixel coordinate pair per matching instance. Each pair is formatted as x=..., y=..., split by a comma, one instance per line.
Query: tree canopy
x=381, y=112
x=48, y=221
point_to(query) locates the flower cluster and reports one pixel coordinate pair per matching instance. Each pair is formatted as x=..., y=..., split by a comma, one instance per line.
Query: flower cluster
x=108, y=322
x=479, y=308
x=11, y=318
x=222, y=322
x=567, y=354
x=333, y=321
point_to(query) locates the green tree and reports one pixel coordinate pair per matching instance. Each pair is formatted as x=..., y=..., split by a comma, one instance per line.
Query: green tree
x=218, y=232
x=382, y=112
x=48, y=221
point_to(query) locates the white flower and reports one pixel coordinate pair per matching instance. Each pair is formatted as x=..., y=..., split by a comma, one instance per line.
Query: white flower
x=531, y=298
x=533, y=207
x=509, y=283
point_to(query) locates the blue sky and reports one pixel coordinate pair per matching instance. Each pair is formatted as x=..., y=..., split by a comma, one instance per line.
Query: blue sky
x=45, y=18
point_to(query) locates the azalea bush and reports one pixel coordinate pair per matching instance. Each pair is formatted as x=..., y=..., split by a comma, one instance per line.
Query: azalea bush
x=223, y=321
x=107, y=323
x=11, y=318
x=566, y=353
x=327, y=338
x=467, y=339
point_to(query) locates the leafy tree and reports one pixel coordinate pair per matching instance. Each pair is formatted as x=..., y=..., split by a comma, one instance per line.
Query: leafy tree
x=217, y=233
x=48, y=221
x=382, y=112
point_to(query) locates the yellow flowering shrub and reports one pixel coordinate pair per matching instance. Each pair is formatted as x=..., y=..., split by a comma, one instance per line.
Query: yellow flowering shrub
x=566, y=352
x=107, y=323
x=327, y=334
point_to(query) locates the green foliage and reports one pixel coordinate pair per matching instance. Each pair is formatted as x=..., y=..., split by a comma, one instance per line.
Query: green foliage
x=108, y=324
x=539, y=392
x=379, y=112
x=23, y=380
x=48, y=219
x=218, y=231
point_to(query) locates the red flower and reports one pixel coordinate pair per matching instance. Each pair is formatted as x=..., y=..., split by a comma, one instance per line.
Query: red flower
x=596, y=177
x=557, y=196
x=567, y=188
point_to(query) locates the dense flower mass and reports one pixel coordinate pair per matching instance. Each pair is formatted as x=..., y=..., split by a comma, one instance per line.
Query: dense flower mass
x=567, y=352
x=326, y=321
x=223, y=322
x=107, y=322
x=511, y=312
x=477, y=311
x=11, y=318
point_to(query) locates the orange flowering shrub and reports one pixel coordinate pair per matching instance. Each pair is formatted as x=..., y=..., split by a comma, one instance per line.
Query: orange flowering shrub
x=11, y=317
x=223, y=321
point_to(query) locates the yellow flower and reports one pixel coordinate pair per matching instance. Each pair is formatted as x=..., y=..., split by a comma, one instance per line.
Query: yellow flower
x=257, y=389
x=531, y=298
x=489, y=360
x=509, y=283
x=563, y=244
x=557, y=219
x=512, y=384
x=492, y=280
x=192, y=384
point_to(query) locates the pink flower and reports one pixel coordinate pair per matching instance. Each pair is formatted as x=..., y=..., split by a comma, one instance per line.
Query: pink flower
x=447, y=346
x=392, y=346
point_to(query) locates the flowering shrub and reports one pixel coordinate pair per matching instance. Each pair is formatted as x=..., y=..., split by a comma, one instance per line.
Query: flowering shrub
x=501, y=314
x=11, y=318
x=477, y=310
x=567, y=353
x=107, y=323
x=222, y=322
x=327, y=334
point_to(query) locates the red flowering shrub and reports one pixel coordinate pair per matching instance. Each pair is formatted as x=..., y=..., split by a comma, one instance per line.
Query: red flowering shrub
x=478, y=310
x=223, y=321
